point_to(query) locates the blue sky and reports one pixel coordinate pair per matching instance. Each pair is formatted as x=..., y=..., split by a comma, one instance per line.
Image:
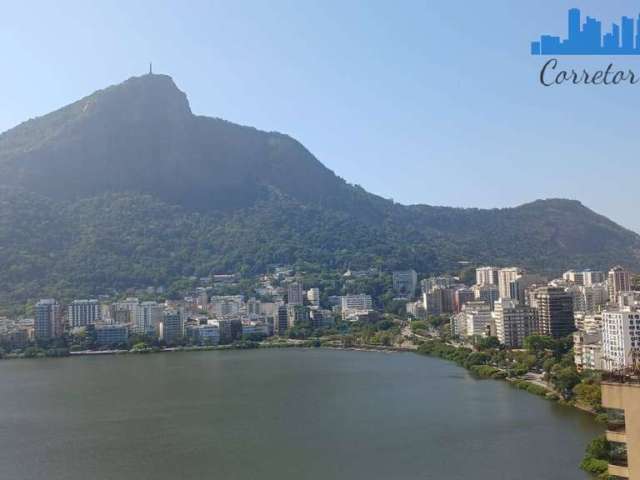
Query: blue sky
x=433, y=102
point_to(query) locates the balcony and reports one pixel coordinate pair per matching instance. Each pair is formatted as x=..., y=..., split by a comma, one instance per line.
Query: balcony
x=617, y=436
x=618, y=472
x=616, y=426
x=618, y=461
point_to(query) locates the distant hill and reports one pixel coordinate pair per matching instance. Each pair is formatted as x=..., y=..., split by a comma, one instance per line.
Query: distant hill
x=127, y=187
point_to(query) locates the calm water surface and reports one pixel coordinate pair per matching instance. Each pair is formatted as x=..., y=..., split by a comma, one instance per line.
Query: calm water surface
x=280, y=414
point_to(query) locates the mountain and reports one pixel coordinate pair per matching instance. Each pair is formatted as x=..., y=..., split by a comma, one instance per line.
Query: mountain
x=127, y=187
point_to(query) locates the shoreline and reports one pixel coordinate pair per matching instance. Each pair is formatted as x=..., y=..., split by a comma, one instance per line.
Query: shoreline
x=520, y=383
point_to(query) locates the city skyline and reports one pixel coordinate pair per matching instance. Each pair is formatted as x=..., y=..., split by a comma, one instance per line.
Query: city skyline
x=588, y=39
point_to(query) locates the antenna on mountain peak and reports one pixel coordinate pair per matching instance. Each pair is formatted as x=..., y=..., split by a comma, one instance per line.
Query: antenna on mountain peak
x=150, y=68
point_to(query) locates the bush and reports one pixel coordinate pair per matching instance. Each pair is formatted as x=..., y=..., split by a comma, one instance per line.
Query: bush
x=531, y=387
x=594, y=466
x=418, y=325
x=487, y=371
x=596, y=458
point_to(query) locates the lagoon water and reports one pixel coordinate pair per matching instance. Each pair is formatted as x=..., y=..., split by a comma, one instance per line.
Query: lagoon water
x=278, y=414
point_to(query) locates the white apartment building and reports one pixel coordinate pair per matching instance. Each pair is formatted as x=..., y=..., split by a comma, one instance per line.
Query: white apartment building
x=592, y=277
x=354, y=305
x=313, y=297
x=620, y=338
x=477, y=319
x=405, y=283
x=148, y=319
x=459, y=325
x=588, y=322
x=572, y=276
x=487, y=276
x=505, y=277
x=84, y=312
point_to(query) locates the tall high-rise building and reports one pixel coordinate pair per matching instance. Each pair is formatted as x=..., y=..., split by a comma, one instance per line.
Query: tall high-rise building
x=433, y=301
x=230, y=329
x=487, y=276
x=514, y=322
x=202, y=298
x=619, y=280
x=313, y=297
x=487, y=293
x=297, y=314
x=519, y=286
x=126, y=312
x=592, y=277
x=405, y=283
x=172, y=326
x=505, y=277
x=478, y=319
x=462, y=296
x=593, y=298
x=295, y=294
x=573, y=276
x=84, y=312
x=280, y=319
x=149, y=315
x=555, y=311
x=620, y=338
x=253, y=307
x=48, y=321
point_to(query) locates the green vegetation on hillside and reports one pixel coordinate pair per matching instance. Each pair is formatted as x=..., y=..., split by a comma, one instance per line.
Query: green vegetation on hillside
x=88, y=207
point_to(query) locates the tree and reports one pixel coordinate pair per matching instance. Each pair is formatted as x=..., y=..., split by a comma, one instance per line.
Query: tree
x=477, y=358
x=538, y=343
x=564, y=379
x=487, y=343
x=589, y=393
x=548, y=364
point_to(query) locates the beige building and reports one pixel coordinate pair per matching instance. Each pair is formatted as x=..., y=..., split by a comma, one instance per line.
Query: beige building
x=621, y=398
x=587, y=350
x=619, y=280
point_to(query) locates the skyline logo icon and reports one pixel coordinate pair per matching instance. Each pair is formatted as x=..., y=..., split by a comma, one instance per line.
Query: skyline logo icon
x=588, y=39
